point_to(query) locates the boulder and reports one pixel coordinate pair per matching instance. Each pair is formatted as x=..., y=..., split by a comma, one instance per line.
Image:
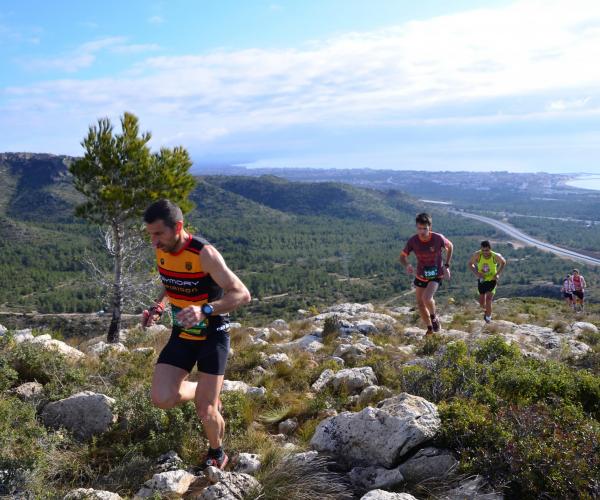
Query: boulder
x=378, y=436
x=47, y=343
x=102, y=347
x=580, y=327
x=369, y=478
x=428, y=463
x=353, y=380
x=228, y=485
x=166, y=483
x=247, y=463
x=168, y=462
x=279, y=358
x=91, y=494
x=288, y=426
x=33, y=393
x=370, y=392
x=239, y=386
x=85, y=414
x=309, y=343
x=386, y=495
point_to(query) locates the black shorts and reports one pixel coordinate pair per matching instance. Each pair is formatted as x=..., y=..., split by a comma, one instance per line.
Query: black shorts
x=486, y=286
x=568, y=295
x=423, y=284
x=579, y=294
x=210, y=355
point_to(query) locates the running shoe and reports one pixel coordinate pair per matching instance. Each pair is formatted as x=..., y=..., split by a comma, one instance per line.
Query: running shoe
x=435, y=324
x=218, y=462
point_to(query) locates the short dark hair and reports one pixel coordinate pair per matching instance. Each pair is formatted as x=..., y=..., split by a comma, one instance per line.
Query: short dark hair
x=486, y=244
x=164, y=210
x=576, y=271
x=424, y=219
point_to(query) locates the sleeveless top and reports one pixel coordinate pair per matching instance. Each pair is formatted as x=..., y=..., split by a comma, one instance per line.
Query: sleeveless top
x=186, y=284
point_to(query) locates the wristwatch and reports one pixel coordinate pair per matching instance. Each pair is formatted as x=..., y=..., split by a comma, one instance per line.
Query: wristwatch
x=207, y=309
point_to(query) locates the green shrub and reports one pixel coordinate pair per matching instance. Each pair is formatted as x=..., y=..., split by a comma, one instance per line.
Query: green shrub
x=24, y=444
x=8, y=376
x=538, y=451
x=60, y=376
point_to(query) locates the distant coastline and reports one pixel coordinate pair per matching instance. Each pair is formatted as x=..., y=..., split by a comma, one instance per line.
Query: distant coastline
x=585, y=182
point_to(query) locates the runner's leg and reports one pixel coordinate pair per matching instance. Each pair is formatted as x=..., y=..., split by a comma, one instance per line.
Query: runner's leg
x=489, y=297
x=428, y=300
x=423, y=310
x=207, y=407
x=170, y=387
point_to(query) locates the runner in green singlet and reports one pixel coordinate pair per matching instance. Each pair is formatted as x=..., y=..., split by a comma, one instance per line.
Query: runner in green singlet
x=487, y=266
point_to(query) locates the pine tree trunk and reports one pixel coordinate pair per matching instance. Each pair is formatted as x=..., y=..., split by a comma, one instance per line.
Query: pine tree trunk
x=115, y=324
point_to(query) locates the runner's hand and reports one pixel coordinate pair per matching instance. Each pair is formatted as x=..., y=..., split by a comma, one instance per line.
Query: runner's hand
x=190, y=316
x=152, y=315
x=447, y=274
x=497, y=277
x=410, y=269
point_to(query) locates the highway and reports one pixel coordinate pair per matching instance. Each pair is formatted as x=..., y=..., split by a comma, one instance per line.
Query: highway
x=518, y=235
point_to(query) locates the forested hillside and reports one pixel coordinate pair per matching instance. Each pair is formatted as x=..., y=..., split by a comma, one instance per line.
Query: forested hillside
x=295, y=244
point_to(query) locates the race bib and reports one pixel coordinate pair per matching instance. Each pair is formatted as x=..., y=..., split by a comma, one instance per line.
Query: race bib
x=430, y=272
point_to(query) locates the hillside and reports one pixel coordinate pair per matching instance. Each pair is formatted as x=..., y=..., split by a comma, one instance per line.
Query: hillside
x=346, y=402
x=295, y=244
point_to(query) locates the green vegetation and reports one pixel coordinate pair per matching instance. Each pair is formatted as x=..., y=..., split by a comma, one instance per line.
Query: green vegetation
x=294, y=244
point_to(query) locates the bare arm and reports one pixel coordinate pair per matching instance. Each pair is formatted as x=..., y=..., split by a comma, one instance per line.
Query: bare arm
x=404, y=262
x=502, y=263
x=235, y=292
x=473, y=265
x=449, y=250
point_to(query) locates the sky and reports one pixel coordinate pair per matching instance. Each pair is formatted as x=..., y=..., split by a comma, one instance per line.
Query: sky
x=395, y=84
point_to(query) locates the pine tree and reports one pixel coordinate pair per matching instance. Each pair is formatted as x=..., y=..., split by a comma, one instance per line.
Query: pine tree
x=120, y=177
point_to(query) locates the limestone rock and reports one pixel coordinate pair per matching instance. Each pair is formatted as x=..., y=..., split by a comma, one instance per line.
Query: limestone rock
x=91, y=494
x=247, y=463
x=166, y=483
x=386, y=495
x=102, y=347
x=369, y=478
x=84, y=414
x=428, y=463
x=228, y=485
x=237, y=385
x=378, y=436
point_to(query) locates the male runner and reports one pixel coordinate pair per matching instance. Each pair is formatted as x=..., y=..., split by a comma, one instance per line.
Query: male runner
x=201, y=290
x=487, y=266
x=567, y=289
x=578, y=289
x=428, y=247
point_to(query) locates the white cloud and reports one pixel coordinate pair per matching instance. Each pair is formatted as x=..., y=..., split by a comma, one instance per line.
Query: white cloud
x=86, y=54
x=406, y=74
x=563, y=105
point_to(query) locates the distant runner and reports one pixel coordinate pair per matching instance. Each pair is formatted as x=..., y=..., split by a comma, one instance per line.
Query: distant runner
x=567, y=290
x=578, y=289
x=428, y=247
x=487, y=266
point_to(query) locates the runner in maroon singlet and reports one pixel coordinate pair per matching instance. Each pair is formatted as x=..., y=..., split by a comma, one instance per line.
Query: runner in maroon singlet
x=431, y=267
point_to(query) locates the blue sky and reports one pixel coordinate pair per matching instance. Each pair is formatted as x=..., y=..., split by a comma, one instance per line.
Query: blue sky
x=432, y=85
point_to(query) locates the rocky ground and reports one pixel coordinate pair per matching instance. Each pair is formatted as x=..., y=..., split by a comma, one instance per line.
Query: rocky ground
x=369, y=446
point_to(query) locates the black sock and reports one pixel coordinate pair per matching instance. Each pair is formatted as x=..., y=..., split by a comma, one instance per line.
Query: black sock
x=216, y=452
